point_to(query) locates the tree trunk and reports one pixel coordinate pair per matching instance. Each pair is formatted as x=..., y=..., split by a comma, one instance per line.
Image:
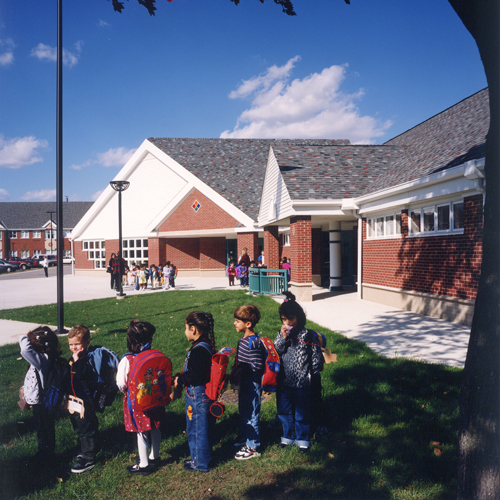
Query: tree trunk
x=479, y=424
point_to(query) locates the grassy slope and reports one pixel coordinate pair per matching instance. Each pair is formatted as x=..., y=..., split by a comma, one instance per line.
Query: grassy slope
x=393, y=420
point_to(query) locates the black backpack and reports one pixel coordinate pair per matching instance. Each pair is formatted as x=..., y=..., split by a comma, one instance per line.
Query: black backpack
x=52, y=395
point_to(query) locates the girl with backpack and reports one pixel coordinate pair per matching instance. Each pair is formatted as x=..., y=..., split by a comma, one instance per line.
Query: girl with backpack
x=40, y=348
x=145, y=424
x=195, y=375
x=301, y=361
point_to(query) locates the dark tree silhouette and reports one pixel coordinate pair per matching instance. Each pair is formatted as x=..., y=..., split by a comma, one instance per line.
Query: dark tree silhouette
x=479, y=424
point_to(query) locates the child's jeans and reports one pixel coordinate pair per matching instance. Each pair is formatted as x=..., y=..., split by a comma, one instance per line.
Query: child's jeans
x=45, y=431
x=294, y=412
x=86, y=428
x=249, y=409
x=199, y=426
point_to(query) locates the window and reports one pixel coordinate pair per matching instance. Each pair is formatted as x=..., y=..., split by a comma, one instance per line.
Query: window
x=285, y=239
x=25, y=254
x=12, y=234
x=37, y=252
x=385, y=226
x=1, y=254
x=37, y=234
x=135, y=251
x=440, y=219
x=50, y=235
x=25, y=234
x=13, y=253
x=95, y=251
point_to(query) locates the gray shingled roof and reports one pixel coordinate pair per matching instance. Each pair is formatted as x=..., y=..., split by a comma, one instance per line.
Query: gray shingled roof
x=448, y=139
x=331, y=171
x=33, y=215
x=234, y=168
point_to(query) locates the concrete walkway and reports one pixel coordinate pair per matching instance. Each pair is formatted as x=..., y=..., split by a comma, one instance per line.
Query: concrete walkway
x=387, y=330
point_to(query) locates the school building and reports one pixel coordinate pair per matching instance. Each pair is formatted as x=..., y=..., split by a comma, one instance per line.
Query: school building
x=402, y=221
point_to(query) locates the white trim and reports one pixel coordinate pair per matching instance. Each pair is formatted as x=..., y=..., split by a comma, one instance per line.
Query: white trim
x=196, y=233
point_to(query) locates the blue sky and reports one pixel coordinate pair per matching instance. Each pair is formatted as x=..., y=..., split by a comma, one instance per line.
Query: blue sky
x=207, y=68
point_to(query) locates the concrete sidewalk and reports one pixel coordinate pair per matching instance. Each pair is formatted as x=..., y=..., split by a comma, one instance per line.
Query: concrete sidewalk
x=387, y=330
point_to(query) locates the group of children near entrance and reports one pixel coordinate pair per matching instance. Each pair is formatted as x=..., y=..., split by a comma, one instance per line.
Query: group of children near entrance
x=301, y=360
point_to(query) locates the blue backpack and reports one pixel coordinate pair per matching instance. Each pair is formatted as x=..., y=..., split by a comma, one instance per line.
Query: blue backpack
x=104, y=362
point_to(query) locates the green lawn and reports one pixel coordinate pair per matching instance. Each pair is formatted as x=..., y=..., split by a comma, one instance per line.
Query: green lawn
x=393, y=420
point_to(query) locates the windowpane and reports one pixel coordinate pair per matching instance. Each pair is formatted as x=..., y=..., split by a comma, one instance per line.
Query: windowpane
x=131, y=243
x=145, y=254
x=125, y=254
x=444, y=218
x=125, y=243
x=145, y=243
x=398, y=223
x=91, y=254
x=415, y=221
x=138, y=243
x=389, y=225
x=138, y=254
x=380, y=226
x=132, y=254
x=97, y=264
x=458, y=215
x=85, y=245
x=428, y=219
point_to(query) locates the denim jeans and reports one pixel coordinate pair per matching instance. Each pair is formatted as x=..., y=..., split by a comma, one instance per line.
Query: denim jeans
x=199, y=426
x=294, y=412
x=249, y=409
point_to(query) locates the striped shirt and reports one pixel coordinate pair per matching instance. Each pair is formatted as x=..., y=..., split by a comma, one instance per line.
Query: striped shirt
x=251, y=355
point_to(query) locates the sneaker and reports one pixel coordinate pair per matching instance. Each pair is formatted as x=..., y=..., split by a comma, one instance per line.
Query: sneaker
x=155, y=463
x=82, y=465
x=246, y=453
x=136, y=469
x=283, y=445
x=188, y=465
x=304, y=449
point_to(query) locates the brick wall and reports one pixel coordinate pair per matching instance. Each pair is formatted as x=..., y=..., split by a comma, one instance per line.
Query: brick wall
x=183, y=252
x=301, y=249
x=271, y=247
x=208, y=216
x=316, y=250
x=213, y=253
x=250, y=241
x=81, y=257
x=154, y=251
x=29, y=244
x=442, y=265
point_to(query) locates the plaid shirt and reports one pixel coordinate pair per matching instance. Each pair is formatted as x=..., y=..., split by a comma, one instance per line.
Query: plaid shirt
x=115, y=265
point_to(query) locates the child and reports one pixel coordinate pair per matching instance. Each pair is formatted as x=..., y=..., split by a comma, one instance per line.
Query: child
x=154, y=277
x=40, y=347
x=301, y=359
x=195, y=375
x=147, y=425
x=83, y=384
x=242, y=274
x=143, y=278
x=247, y=373
x=231, y=273
x=166, y=275
x=173, y=275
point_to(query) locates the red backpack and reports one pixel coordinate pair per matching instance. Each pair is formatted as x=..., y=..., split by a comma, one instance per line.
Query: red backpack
x=149, y=381
x=271, y=372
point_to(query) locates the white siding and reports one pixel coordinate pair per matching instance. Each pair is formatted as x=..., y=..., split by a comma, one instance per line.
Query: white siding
x=153, y=185
x=276, y=202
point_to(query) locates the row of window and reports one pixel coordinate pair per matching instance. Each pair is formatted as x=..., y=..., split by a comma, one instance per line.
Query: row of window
x=439, y=219
x=36, y=234
x=134, y=250
x=25, y=254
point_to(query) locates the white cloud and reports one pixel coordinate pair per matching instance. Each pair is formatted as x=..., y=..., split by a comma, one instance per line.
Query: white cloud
x=4, y=194
x=20, y=151
x=96, y=195
x=42, y=195
x=102, y=24
x=114, y=157
x=313, y=107
x=46, y=52
x=6, y=52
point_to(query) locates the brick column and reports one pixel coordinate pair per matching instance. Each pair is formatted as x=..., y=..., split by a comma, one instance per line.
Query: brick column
x=154, y=251
x=301, y=255
x=271, y=247
x=250, y=241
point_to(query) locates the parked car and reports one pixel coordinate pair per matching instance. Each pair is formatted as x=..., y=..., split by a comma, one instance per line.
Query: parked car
x=68, y=259
x=22, y=263
x=7, y=267
x=51, y=258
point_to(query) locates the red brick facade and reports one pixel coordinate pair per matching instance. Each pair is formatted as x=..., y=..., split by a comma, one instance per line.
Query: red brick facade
x=208, y=216
x=29, y=244
x=213, y=253
x=81, y=256
x=301, y=249
x=250, y=241
x=271, y=247
x=442, y=265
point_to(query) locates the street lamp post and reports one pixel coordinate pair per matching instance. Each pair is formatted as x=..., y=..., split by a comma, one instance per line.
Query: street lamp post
x=120, y=186
x=51, y=227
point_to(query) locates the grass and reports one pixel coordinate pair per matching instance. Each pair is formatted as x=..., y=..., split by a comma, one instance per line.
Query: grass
x=393, y=420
